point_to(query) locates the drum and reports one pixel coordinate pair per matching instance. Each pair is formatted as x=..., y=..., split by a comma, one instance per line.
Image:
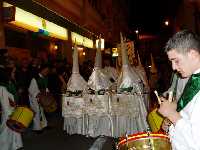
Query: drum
x=155, y=120
x=20, y=119
x=145, y=141
x=48, y=102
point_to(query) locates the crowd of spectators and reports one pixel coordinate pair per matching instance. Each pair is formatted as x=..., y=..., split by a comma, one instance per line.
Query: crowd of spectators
x=17, y=75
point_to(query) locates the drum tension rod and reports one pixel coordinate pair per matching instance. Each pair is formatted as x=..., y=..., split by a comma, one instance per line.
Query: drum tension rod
x=126, y=140
x=149, y=140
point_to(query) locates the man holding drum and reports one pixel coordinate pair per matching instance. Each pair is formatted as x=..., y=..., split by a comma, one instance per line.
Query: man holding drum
x=9, y=139
x=37, y=86
x=183, y=50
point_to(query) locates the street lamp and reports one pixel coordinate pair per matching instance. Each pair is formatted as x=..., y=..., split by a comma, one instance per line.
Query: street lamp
x=166, y=23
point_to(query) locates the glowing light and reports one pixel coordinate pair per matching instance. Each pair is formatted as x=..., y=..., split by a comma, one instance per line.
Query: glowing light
x=81, y=40
x=166, y=23
x=34, y=23
x=55, y=47
x=88, y=42
x=77, y=38
x=102, y=43
x=114, y=52
x=55, y=30
x=83, y=53
x=80, y=48
x=27, y=20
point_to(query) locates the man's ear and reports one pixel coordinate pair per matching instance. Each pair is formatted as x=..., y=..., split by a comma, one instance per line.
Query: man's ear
x=193, y=53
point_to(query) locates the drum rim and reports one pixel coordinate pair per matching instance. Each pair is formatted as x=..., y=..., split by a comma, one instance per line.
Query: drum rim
x=143, y=135
x=9, y=124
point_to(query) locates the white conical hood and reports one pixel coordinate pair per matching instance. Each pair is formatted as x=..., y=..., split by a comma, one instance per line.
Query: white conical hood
x=98, y=80
x=76, y=81
x=139, y=61
x=98, y=58
x=128, y=77
x=75, y=68
x=153, y=66
x=123, y=51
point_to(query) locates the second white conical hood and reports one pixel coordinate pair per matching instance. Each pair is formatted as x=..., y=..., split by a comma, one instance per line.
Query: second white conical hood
x=128, y=77
x=98, y=80
x=98, y=57
x=124, y=51
x=76, y=82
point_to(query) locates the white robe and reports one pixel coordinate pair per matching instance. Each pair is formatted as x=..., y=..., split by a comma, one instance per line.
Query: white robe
x=180, y=87
x=9, y=139
x=185, y=134
x=181, y=82
x=39, y=120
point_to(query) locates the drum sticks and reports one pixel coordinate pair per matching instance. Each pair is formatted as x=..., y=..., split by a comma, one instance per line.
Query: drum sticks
x=159, y=101
x=169, y=97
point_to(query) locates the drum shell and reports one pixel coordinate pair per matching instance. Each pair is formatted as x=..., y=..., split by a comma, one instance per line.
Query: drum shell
x=155, y=120
x=48, y=102
x=144, y=141
x=20, y=119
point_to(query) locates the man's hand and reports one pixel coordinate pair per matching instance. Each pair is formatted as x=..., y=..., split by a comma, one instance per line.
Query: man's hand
x=168, y=110
x=165, y=125
x=12, y=103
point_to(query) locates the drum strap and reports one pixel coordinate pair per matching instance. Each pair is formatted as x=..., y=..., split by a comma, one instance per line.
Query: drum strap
x=191, y=89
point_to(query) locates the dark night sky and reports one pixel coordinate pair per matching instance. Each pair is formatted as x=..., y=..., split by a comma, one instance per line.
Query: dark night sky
x=149, y=15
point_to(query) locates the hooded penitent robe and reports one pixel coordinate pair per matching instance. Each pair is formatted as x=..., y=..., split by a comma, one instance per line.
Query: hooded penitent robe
x=9, y=139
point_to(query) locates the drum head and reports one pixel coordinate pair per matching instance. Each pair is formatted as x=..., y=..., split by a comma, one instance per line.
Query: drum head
x=48, y=102
x=20, y=119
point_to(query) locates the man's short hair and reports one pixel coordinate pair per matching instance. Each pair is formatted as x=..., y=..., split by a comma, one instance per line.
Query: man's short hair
x=183, y=41
x=43, y=66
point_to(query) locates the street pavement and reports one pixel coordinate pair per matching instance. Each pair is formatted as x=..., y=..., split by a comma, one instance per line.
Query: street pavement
x=54, y=138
